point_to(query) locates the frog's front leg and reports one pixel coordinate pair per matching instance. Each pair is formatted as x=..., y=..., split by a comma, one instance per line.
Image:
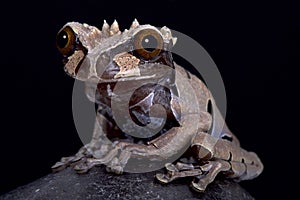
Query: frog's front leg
x=162, y=149
x=99, y=146
x=116, y=155
x=115, y=160
x=70, y=160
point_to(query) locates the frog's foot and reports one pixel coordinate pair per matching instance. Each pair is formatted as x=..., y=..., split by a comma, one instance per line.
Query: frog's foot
x=88, y=163
x=178, y=171
x=210, y=171
x=118, y=163
x=115, y=160
x=80, y=157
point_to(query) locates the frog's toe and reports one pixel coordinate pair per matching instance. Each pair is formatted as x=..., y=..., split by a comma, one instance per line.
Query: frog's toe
x=163, y=178
x=210, y=171
x=62, y=164
x=81, y=168
x=171, y=168
x=115, y=166
x=199, y=186
x=58, y=166
x=115, y=169
x=179, y=170
x=72, y=161
x=77, y=160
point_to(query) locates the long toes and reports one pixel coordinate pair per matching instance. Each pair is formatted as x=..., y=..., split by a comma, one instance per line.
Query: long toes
x=199, y=187
x=163, y=178
x=67, y=159
x=62, y=164
x=171, y=168
x=183, y=166
x=77, y=160
x=104, y=160
x=81, y=168
x=115, y=166
x=115, y=169
x=58, y=166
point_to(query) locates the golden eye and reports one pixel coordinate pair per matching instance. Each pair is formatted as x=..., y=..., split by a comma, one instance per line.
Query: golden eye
x=148, y=43
x=66, y=41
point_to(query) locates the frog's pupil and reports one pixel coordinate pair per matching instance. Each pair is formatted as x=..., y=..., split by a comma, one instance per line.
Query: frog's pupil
x=149, y=43
x=62, y=39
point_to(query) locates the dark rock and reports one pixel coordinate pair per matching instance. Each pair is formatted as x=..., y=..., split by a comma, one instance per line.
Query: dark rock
x=98, y=184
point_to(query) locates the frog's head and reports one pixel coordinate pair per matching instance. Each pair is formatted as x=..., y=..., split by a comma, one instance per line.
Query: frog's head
x=111, y=55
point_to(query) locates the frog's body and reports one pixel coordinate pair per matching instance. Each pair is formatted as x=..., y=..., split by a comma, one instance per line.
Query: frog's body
x=193, y=122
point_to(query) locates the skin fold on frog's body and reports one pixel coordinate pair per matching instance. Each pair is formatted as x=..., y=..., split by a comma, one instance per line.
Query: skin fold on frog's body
x=112, y=63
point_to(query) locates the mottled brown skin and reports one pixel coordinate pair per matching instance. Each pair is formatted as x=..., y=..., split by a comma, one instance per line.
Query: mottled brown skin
x=194, y=127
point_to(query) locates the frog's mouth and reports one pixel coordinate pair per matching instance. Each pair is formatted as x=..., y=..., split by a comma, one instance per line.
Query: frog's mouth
x=130, y=66
x=154, y=72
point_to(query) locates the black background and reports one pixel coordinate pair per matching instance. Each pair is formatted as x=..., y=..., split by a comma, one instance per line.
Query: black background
x=255, y=45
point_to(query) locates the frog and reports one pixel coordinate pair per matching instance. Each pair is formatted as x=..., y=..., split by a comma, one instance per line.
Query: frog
x=194, y=140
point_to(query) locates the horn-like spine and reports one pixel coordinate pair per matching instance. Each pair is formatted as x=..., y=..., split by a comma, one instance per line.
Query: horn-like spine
x=114, y=28
x=134, y=24
x=105, y=29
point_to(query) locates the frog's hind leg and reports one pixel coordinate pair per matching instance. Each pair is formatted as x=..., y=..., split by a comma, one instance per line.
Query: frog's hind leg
x=248, y=167
x=204, y=174
x=210, y=171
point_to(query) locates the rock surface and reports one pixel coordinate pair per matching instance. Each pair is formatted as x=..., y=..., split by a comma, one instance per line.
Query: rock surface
x=98, y=184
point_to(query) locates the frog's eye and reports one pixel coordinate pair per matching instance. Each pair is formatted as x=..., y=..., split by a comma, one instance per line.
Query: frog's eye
x=66, y=41
x=148, y=43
